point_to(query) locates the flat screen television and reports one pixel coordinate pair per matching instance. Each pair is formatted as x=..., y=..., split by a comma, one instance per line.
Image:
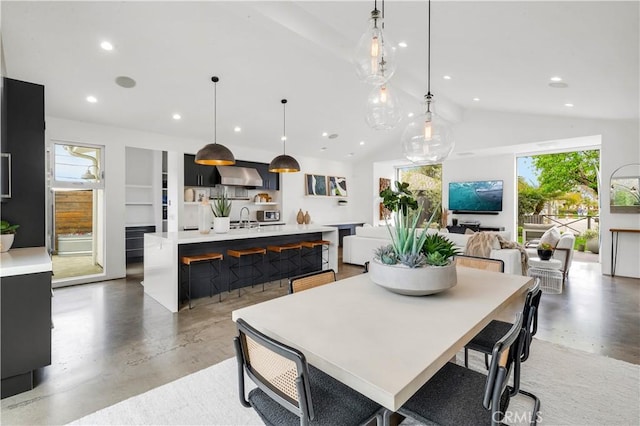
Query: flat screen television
x=481, y=197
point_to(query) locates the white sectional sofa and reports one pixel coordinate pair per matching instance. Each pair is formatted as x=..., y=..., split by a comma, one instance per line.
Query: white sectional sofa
x=358, y=249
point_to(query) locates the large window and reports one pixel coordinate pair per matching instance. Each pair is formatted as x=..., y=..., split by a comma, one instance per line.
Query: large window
x=426, y=184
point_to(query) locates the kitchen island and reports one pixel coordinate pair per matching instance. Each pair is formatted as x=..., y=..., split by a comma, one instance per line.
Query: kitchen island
x=162, y=252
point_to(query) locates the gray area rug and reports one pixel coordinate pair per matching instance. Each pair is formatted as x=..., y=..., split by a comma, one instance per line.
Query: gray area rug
x=576, y=388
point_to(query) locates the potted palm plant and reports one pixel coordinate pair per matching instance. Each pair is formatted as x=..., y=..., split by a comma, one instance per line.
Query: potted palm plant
x=221, y=208
x=415, y=263
x=7, y=234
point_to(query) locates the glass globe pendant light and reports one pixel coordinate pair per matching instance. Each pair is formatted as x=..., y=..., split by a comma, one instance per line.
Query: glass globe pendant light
x=374, y=56
x=284, y=163
x=214, y=154
x=428, y=138
x=383, y=108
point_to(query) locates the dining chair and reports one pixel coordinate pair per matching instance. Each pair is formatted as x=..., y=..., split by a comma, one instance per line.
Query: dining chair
x=458, y=396
x=310, y=280
x=495, y=265
x=486, y=339
x=290, y=391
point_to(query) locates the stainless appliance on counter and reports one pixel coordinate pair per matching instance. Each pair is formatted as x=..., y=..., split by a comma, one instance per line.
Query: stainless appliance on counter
x=268, y=215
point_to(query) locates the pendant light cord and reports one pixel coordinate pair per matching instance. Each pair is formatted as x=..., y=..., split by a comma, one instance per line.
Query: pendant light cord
x=284, y=126
x=215, y=108
x=429, y=50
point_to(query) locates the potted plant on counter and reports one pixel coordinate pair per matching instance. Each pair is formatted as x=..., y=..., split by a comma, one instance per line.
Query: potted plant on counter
x=415, y=263
x=7, y=234
x=221, y=208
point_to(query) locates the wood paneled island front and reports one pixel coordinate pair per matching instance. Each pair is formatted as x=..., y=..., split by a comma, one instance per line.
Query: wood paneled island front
x=162, y=252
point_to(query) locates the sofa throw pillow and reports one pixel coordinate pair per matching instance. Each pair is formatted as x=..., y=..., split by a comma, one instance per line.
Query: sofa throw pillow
x=551, y=237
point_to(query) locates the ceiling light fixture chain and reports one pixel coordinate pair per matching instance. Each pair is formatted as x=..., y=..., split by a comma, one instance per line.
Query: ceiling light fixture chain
x=428, y=139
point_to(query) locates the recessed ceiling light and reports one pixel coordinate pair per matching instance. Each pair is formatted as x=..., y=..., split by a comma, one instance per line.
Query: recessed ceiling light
x=476, y=99
x=410, y=115
x=283, y=138
x=177, y=116
x=447, y=77
x=92, y=99
x=569, y=105
x=106, y=45
x=126, y=82
x=402, y=44
x=361, y=142
x=556, y=79
x=325, y=134
x=237, y=129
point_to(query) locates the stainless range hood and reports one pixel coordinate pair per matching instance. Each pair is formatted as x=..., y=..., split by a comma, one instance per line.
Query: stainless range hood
x=239, y=176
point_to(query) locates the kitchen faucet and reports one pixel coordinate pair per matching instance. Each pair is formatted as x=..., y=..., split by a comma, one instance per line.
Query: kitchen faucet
x=248, y=215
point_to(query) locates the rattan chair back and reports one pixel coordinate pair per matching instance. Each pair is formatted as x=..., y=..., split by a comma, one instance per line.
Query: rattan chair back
x=485, y=263
x=311, y=280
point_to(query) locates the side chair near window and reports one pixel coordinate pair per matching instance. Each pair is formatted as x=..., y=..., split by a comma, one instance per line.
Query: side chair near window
x=485, y=263
x=456, y=395
x=292, y=392
x=311, y=280
x=485, y=340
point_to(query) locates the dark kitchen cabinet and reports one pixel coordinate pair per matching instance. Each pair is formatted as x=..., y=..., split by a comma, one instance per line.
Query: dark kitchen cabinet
x=134, y=242
x=197, y=174
x=269, y=180
x=26, y=329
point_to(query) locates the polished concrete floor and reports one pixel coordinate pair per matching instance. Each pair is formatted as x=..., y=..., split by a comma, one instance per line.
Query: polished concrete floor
x=111, y=342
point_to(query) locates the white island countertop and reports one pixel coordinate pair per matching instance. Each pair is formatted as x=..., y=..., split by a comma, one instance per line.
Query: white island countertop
x=189, y=237
x=22, y=261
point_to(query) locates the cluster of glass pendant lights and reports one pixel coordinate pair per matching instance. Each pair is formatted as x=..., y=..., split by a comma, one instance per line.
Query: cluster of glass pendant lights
x=215, y=154
x=428, y=138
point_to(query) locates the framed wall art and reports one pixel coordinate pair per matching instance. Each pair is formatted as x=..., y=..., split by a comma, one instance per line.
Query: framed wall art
x=337, y=186
x=315, y=184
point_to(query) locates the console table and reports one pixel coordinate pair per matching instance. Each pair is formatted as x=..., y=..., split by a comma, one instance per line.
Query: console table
x=461, y=229
x=615, y=233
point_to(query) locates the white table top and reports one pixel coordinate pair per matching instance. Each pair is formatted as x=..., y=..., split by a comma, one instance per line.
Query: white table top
x=188, y=237
x=536, y=262
x=382, y=344
x=21, y=261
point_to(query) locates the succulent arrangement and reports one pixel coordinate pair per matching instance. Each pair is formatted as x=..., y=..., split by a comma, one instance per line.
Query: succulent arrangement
x=221, y=206
x=409, y=246
x=7, y=228
x=545, y=246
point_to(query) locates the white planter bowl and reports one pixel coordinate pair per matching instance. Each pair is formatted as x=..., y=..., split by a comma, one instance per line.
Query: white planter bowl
x=221, y=225
x=6, y=241
x=413, y=281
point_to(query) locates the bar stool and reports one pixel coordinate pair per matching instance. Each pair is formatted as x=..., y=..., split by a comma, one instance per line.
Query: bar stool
x=284, y=252
x=213, y=259
x=255, y=255
x=309, y=251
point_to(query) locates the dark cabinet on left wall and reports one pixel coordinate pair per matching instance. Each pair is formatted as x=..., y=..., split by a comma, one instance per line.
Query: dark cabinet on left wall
x=23, y=137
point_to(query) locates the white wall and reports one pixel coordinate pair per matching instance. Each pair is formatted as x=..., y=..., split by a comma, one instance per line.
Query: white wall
x=115, y=140
x=481, y=130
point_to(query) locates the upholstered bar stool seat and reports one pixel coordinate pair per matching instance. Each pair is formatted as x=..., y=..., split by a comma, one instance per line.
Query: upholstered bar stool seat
x=254, y=256
x=290, y=254
x=309, y=251
x=213, y=259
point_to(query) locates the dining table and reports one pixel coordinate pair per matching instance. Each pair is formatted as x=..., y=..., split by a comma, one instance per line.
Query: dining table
x=382, y=344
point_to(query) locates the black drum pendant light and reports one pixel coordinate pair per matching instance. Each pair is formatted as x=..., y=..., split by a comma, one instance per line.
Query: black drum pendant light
x=214, y=154
x=284, y=163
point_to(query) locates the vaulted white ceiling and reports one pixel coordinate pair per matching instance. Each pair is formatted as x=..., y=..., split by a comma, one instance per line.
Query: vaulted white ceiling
x=501, y=52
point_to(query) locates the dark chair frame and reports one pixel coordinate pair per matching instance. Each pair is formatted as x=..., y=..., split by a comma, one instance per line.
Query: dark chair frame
x=497, y=381
x=529, y=328
x=303, y=408
x=310, y=274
